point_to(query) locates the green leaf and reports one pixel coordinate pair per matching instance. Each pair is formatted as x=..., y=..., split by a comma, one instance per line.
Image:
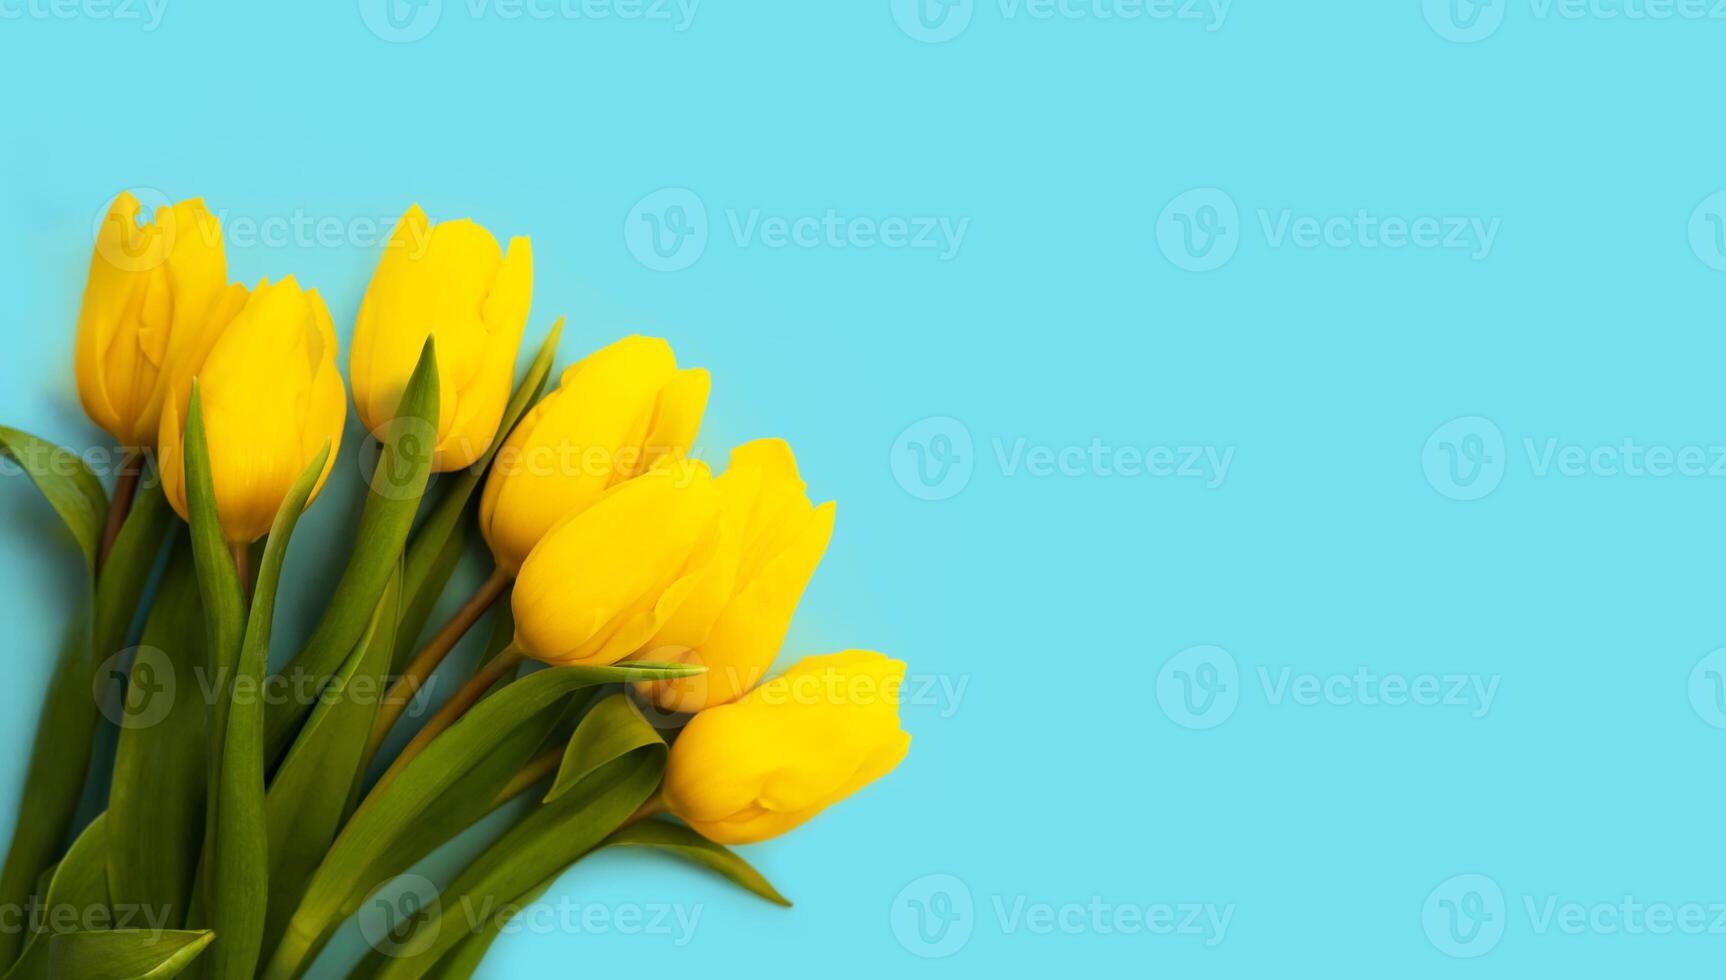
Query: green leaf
x=65, y=731
x=68, y=484
x=79, y=887
x=465, y=957
x=224, y=628
x=218, y=579
x=393, y=499
x=315, y=787
x=126, y=954
x=613, y=728
x=433, y=577
x=58, y=761
x=156, y=800
x=444, y=527
x=685, y=843
x=619, y=772
x=462, y=960
x=127, y=571
x=382, y=838
x=240, y=884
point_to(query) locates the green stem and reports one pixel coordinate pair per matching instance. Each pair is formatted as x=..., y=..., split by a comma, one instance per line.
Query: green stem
x=417, y=673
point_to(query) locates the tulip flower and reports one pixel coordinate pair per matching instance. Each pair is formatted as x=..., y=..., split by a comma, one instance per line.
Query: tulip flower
x=605, y=580
x=272, y=399
x=614, y=414
x=157, y=297
x=739, y=613
x=452, y=282
x=756, y=768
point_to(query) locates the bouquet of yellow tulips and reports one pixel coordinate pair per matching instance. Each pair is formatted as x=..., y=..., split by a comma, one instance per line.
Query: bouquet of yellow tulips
x=621, y=696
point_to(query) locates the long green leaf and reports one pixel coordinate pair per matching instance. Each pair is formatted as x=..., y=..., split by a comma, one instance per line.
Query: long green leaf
x=126, y=954
x=621, y=759
x=392, y=501
x=311, y=793
x=58, y=761
x=461, y=961
x=674, y=838
x=218, y=580
x=371, y=846
x=240, y=889
x=431, y=576
x=66, y=729
x=77, y=892
x=68, y=484
x=427, y=576
x=224, y=630
x=614, y=728
x=127, y=571
x=465, y=957
x=156, y=800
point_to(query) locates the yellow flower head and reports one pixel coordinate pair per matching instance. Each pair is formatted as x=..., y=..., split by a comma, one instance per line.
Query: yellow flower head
x=756, y=768
x=614, y=414
x=156, y=299
x=272, y=398
x=606, y=579
x=452, y=282
x=741, y=609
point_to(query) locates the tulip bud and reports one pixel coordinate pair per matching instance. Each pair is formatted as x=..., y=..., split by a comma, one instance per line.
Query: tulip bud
x=606, y=579
x=451, y=282
x=614, y=414
x=157, y=297
x=758, y=767
x=739, y=613
x=272, y=399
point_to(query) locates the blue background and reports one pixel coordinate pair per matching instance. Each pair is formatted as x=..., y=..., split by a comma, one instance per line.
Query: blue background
x=1070, y=771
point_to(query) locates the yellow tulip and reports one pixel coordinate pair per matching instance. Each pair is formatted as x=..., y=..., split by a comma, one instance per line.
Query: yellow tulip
x=614, y=414
x=738, y=616
x=157, y=297
x=451, y=282
x=272, y=398
x=606, y=579
x=756, y=768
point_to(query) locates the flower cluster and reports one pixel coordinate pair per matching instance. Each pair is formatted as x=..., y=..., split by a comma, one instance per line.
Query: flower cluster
x=640, y=582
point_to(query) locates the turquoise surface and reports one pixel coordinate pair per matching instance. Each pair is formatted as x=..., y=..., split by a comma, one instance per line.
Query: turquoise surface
x=1285, y=440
